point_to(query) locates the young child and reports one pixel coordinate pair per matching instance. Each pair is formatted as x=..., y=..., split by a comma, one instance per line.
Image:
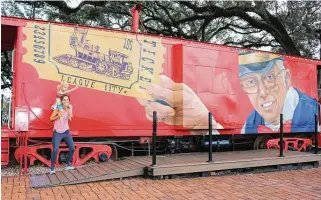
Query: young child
x=61, y=90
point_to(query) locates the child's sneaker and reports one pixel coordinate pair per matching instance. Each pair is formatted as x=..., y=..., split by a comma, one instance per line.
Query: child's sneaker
x=52, y=171
x=69, y=167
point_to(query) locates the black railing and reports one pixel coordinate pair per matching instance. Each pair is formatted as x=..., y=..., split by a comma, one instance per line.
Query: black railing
x=154, y=137
x=281, y=136
x=210, y=128
x=316, y=134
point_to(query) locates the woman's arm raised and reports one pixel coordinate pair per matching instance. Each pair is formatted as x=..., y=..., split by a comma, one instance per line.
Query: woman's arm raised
x=70, y=112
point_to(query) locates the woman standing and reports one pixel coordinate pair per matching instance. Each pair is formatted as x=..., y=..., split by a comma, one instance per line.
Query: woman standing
x=61, y=132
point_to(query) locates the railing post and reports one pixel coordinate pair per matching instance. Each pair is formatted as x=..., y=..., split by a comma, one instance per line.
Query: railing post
x=281, y=135
x=316, y=133
x=210, y=153
x=154, y=137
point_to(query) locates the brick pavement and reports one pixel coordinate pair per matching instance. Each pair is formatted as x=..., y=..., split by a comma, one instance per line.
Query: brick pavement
x=297, y=184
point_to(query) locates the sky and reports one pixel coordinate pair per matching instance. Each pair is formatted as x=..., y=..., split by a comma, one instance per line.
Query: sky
x=73, y=3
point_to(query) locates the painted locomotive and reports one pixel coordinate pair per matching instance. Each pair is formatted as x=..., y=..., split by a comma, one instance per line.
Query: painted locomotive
x=89, y=58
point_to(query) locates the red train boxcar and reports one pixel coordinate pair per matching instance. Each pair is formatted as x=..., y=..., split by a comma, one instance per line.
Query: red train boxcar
x=122, y=77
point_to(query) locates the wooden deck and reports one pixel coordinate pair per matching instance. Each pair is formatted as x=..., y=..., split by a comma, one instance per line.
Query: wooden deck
x=197, y=162
x=96, y=172
x=172, y=165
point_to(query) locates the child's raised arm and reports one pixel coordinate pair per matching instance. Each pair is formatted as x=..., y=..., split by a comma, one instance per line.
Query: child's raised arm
x=59, y=87
x=72, y=89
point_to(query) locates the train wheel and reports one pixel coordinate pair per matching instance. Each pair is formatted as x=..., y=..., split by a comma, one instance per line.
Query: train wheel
x=114, y=71
x=260, y=142
x=64, y=59
x=82, y=65
x=74, y=62
x=124, y=76
x=100, y=68
x=114, y=155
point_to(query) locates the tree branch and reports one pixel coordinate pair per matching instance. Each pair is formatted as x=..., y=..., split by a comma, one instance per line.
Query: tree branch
x=244, y=33
x=6, y=85
x=180, y=31
x=270, y=24
x=203, y=27
x=217, y=31
x=251, y=44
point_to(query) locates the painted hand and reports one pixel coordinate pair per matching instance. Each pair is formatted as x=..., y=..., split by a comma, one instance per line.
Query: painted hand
x=184, y=107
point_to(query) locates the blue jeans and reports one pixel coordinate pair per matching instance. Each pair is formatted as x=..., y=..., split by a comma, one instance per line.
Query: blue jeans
x=56, y=139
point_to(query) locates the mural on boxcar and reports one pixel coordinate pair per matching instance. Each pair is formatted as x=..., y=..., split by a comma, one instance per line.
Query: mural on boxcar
x=112, y=62
x=265, y=81
x=132, y=65
x=267, y=84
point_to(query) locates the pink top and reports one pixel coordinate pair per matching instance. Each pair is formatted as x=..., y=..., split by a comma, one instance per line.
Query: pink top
x=61, y=124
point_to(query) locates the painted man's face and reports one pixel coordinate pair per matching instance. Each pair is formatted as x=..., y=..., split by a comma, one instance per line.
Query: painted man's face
x=267, y=92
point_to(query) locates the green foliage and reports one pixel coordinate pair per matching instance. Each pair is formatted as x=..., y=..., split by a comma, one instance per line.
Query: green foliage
x=6, y=75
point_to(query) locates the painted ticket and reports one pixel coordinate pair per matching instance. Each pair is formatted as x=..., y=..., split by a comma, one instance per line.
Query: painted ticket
x=113, y=62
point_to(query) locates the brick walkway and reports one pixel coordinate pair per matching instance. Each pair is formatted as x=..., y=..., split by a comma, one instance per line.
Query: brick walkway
x=297, y=184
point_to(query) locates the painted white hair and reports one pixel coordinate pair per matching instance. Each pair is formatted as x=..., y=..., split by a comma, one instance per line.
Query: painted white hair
x=280, y=65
